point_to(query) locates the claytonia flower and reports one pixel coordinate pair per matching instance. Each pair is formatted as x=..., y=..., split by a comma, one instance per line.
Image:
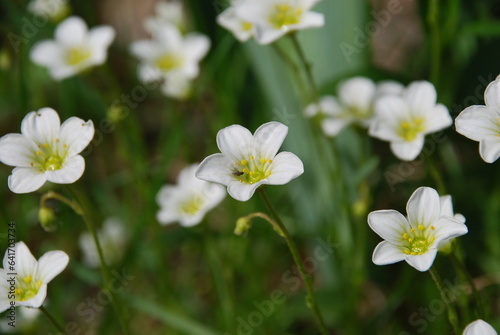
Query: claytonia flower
x=189, y=200
x=274, y=18
x=415, y=238
x=45, y=150
x=113, y=239
x=28, y=276
x=53, y=9
x=479, y=327
x=482, y=123
x=74, y=49
x=171, y=12
x=232, y=21
x=405, y=119
x=247, y=162
x=170, y=58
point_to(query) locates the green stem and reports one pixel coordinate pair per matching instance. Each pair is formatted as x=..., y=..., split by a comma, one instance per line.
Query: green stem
x=295, y=70
x=435, y=41
x=306, y=278
x=452, y=314
x=52, y=320
x=243, y=224
x=54, y=195
x=306, y=65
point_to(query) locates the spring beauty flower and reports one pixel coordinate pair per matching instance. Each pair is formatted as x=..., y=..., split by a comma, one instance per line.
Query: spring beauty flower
x=45, y=150
x=405, y=119
x=247, y=162
x=274, y=18
x=74, y=49
x=170, y=58
x=189, y=200
x=415, y=238
x=482, y=123
x=479, y=327
x=31, y=277
x=52, y=9
x=232, y=21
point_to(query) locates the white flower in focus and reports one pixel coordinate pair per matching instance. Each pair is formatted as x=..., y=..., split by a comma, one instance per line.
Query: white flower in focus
x=247, y=162
x=113, y=239
x=45, y=150
x=170, y=57
x=189, y=200
x=482, y=123
x=53, y=9
x=31, y=277
x=274, y=18
x=405, y=119
x=171, y=12
x=479, y=327
x=415, y=238
x=229, y=19
x=74, y=49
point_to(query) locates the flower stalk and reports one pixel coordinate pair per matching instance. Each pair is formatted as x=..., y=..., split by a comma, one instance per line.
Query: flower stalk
x=52, y=319
x=306, y=65
x=452, y=314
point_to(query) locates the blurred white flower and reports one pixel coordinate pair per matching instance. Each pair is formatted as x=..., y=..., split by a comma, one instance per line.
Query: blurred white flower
x=405, y=119
x=45, y=150
x=74, y=49
x=31, y=277
x=274, y=18
x=232, y=21
x=53, y=9
x=479, y=327
x=171, y=12
x=247, y=162
x=416, y=238
x=113, y=239
x=189, y=200
x=170, y=58
x=482, y=123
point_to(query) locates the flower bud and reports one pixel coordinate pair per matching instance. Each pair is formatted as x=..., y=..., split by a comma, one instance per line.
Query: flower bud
x=242, y=226
x=47, y=219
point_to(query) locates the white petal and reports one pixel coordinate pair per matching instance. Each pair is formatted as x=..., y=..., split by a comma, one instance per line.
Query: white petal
x=421, y=97
x=51, y=264
x=479, y=327
x=169, y=36
x=446, y=205
x=424, y=207
x=235, y=24
x=36, y=301
x=71, y=31
x=383, y=130
x=332, y=126
x=192, y=220
x=492, y=95
x=4, y=291
x=64, y=71
x=76, y=134
x=309, y=20
x=388, y=224
x=422, y=262
x=477, y=122
x=489, y=149
x=243, y=191
x=408, y=151
x=448, y=228
x=17, y=150
x=47, y=53
x=285, y=167
x=214, y=194
x=145, y=50
x=216, y=168
x=167, y=216
x=72, y=170
x=26, y=180
x=196, y=46
x=392, y=109
x=389, y=87
x=265, y=34
x=236, y=142
x=268, y=138
x=25, y=263
x=101, y=37
x=437, y=119
x=387, y=253
x=41, y=126
x=148, y=73
x=357, y=92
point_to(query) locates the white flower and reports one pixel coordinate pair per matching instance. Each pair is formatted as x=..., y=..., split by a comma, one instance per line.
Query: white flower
x=28, y=276
x=171, y=12
x=229, y=19
x=45, y=150
x=74, y=49
x=53, y=9
x=482, y=123
x=247, y=162
x=170, y=57
x=405, y=119
x=416, y=238
x=113, y=239
x=189, y=200
x=479, y=327
x=274, y=18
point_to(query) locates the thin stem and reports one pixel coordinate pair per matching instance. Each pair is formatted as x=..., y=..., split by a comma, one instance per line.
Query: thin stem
x=54, y=195
x=51, y=319
x=435, y=41
x=306, y=278
x=452, y=314
x=306, y=65
x=244, y=223
x=295, y=69
x=436, y=175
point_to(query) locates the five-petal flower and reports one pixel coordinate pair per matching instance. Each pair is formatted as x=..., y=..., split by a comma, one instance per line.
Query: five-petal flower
x=247, y=162
x=479, y=327
x=45, y=150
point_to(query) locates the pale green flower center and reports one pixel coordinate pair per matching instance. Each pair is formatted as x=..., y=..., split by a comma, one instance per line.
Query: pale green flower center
x=252, y=170
x=50, y=157
x=410, y=129
x=168, y=62
x=360, y=113
x=27, y=288
x=193, y=205
x=284, y=15
x=77, y=55
x=246, y=26
x=417, y=241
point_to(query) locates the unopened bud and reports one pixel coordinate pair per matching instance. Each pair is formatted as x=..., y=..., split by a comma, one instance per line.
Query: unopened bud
x=47, y=219
x=243, y=224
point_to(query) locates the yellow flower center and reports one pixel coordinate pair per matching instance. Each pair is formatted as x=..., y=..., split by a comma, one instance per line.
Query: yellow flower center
x=284, y=15
x=192, y=205
x=417, y=241
x=409, y=130
x=168, y=62
x=77, y=55
x=246, y=26
x=49, y=157
x=252, y=170
x=360, y=113
x=26, y=288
